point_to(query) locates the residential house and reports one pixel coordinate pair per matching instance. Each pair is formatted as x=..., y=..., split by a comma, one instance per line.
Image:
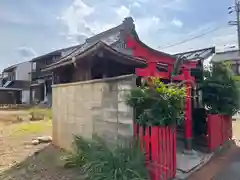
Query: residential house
x=233, y=56
x=17, y=76
x=41, y=81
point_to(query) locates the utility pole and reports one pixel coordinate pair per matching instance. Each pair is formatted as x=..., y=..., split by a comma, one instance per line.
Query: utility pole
x=236, y=8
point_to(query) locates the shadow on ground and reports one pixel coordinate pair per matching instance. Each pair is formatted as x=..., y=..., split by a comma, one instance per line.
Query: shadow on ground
x=46, y=164
x=220, y=166
x=231, y=170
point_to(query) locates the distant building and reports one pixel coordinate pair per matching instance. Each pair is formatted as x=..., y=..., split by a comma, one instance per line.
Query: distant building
x=17, y=76
x=41, y=82
x=232, y=55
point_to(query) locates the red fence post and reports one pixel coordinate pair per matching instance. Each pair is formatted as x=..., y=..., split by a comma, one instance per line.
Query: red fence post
x=154, y=152
x=147, y=145
x=219, y=130
x=159, y=145
x=214, y=136
x=141, y=137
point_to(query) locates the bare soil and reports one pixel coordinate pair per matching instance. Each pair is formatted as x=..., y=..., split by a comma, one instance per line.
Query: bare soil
x=20, y=160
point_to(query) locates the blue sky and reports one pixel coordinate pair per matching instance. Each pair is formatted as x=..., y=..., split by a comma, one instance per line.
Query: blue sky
x=33, y=27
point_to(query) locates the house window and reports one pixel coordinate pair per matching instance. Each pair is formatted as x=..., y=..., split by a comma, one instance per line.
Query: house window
x=34, y=66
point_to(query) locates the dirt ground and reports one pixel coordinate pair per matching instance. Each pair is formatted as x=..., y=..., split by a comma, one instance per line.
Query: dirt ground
x=20, y=160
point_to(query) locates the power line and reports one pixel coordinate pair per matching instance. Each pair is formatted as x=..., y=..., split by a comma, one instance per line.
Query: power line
x=236, y=8
x=192, y=38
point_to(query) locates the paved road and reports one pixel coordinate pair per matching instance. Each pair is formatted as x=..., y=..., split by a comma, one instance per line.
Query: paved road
x=232, y=170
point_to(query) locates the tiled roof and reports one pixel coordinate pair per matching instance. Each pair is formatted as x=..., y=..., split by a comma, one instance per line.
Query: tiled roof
x=199, y=54
x=226, y=56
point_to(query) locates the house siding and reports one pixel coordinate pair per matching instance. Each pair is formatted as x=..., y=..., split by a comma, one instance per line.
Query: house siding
x=22, y=71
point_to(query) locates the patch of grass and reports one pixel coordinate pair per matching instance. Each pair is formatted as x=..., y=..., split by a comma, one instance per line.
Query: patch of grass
x=41, y=112
x=31, y=127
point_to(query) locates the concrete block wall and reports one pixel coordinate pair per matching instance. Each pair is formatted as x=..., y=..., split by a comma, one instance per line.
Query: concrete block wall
x=96, y=106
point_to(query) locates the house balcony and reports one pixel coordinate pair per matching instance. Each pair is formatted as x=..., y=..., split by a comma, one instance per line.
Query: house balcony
x=40, y=75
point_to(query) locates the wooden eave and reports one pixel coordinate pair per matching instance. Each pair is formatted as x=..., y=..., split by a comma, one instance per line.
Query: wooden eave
x=94, y=50
x=136, y=37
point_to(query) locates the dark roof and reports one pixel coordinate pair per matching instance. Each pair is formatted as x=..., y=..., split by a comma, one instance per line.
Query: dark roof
x=55, y=53
x=19, y=84
x=112, y=37
x=199, y=54
x=92, y=50
x=232, y=55
x=9, y=89
x=12, y=67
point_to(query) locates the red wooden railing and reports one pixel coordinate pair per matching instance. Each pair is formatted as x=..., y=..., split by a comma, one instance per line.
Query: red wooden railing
x=219, y=130
x=159, y=145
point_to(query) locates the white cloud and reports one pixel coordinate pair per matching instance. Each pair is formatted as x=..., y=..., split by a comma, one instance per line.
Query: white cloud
x=177, y=22
x=155, y=26
x=87, y=18
x=123, y=11
x=136, y=4
x=26, y=52
x=177, y=5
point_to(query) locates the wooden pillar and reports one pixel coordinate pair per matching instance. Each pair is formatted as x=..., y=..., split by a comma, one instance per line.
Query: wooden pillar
x=188, y=112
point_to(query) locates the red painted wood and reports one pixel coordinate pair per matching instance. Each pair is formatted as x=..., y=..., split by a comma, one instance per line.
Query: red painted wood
x=170, y=134
x=160, y=145
x=214, y=131
x=219, y=130
x=164, y=142
x=147, y=54
x=154, y=143
x=223, y=129
x=160, y=151
x=147, y=146
x=174, y=144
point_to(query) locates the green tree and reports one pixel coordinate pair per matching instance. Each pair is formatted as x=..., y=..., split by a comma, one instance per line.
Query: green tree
x=220, y=90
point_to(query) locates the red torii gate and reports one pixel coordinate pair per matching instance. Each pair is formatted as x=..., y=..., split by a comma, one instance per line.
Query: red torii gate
x=153, y=58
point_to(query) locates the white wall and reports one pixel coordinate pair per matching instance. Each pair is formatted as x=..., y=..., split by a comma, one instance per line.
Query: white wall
x=25, y=96
x=22, y=71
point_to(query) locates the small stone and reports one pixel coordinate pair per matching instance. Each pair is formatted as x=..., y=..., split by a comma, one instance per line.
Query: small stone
x=35, y=142
x=44, y=139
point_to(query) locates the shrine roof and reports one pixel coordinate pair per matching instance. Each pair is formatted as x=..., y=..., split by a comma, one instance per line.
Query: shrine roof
x=199, y=54
x=114, y=37
x=96, y=49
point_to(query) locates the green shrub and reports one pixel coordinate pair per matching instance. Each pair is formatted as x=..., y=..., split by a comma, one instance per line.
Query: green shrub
x=221, y=90
x=158, y=104
x=101, y=162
